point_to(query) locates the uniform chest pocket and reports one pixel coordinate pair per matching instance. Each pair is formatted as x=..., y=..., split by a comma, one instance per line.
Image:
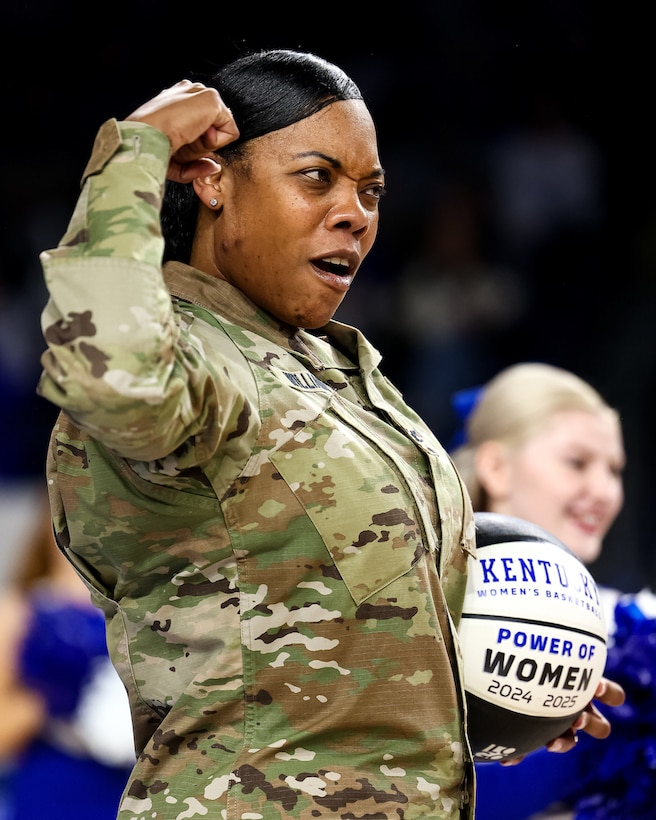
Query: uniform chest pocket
x=357, y=501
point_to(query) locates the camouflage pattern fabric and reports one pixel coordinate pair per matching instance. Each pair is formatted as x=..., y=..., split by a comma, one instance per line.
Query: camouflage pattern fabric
x=277, y=541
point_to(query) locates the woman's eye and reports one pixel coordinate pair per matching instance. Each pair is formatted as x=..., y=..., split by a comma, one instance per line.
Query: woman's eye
x=318, y=174
x=616, y=470
x=377, y=191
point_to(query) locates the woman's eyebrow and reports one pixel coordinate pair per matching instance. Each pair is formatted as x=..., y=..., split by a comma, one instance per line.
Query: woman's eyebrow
x=330, y=160
x=335, y=163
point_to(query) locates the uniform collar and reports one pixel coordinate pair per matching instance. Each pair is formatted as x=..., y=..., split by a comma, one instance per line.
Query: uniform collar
x=335, y=345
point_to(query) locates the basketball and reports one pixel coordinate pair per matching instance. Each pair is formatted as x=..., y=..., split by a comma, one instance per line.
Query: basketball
x=533, y=638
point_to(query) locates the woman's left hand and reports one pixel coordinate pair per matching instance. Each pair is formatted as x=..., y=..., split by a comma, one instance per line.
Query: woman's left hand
x=590, y=720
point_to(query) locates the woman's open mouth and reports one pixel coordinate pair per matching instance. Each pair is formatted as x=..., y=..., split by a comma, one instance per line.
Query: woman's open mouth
x=335, y=270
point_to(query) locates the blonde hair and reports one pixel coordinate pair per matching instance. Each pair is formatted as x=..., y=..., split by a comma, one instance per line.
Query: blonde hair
x=514, y=405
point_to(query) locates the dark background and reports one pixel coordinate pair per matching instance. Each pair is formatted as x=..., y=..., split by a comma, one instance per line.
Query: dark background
x=454, y=87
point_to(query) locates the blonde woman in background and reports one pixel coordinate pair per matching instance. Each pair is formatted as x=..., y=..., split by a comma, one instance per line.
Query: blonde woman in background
x=543, y=445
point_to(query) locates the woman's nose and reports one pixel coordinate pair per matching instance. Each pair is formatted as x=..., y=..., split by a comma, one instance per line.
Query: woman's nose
x=349, y=213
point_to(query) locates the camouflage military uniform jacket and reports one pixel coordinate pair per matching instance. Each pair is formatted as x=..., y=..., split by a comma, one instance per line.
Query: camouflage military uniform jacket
x=277, y=541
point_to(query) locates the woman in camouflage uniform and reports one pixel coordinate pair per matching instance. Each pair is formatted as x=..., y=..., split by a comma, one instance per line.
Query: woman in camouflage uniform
x=278, y=542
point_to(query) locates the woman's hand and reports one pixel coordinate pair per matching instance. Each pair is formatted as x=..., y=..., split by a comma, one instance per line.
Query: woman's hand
x=590, y=720
x=196, y=121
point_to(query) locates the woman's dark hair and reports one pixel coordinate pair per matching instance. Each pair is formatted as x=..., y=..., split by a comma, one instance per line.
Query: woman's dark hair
x=265, y=91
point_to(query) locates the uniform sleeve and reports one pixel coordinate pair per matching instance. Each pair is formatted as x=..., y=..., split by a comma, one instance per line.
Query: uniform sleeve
x=116, y=358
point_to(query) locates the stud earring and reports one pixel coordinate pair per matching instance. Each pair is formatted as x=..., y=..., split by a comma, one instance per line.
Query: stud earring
x=214, y=202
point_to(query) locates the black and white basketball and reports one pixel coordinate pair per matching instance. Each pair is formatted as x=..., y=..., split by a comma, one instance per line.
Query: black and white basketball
x=533, y=638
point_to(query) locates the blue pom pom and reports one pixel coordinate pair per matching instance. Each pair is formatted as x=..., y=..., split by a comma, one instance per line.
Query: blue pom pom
x=463, y=402
x=618, y=774
x=59, y=651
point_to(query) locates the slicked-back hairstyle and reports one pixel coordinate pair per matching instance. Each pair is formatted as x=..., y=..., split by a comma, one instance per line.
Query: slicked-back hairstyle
x=266, y=91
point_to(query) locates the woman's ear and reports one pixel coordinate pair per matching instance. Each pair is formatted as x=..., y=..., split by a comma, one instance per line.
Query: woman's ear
x=492, y=462
x=208, y=189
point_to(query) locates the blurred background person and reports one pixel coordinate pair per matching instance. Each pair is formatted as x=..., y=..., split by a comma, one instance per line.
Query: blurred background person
x=454, y=308
x=542, y=444
x=546, y=178
x=66, y=745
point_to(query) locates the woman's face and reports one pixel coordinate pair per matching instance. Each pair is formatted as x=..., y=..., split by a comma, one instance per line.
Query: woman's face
x=294, y=225
x=568, y=480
